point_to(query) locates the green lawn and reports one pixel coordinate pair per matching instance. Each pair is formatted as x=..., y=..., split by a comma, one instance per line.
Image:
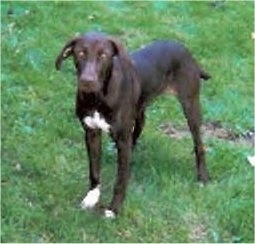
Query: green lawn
x=44, y=171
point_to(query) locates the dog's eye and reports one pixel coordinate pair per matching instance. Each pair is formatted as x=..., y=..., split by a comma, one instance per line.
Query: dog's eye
x=81, y=54
x=102, y=56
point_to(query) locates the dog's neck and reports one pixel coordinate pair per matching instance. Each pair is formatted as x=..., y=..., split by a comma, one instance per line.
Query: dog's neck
x=87, y=103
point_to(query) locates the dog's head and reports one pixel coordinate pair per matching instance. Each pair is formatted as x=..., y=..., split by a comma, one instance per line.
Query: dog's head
x=93, y=55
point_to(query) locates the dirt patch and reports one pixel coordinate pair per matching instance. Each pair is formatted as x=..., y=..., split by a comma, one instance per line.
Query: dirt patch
x=198, y=233
x=211, y=130
x=197, y=227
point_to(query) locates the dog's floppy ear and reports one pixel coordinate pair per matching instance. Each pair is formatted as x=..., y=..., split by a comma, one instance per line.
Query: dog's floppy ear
x=119, y=50
x=127, y=65
x=123, y=55
x=65, y=52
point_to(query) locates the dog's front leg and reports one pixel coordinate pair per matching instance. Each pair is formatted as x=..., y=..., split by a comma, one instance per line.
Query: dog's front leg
x=93, y=144
x=124, y=147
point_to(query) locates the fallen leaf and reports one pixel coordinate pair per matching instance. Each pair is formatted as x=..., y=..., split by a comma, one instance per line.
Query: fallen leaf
x=251, y=160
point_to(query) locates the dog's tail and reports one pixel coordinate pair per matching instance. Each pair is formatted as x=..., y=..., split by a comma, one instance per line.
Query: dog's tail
x=204, y=75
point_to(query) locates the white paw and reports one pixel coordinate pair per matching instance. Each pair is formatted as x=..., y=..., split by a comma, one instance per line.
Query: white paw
x=91, y=199
x=109, y=214
x=201, y=184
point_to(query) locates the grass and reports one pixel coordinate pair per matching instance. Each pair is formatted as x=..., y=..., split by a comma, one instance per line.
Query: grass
x=44, y=170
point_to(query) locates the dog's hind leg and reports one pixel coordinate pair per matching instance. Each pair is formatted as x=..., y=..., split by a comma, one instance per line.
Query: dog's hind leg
x=138, y=127
x=187, y=87
x=191, y=109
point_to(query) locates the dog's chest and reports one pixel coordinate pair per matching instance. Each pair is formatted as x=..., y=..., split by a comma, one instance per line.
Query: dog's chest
x=97, y=121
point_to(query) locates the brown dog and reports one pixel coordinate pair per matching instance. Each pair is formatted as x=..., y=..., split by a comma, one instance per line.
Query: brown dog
x=114, y=89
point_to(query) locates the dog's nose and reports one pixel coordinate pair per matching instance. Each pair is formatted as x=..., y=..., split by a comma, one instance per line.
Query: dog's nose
x=88, y=78
x=88, y=81
x=89, y=74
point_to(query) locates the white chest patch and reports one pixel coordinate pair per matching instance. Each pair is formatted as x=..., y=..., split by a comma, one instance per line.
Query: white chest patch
x=97, y=122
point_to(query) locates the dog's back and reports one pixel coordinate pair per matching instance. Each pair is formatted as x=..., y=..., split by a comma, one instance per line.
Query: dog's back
x=161, y=61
